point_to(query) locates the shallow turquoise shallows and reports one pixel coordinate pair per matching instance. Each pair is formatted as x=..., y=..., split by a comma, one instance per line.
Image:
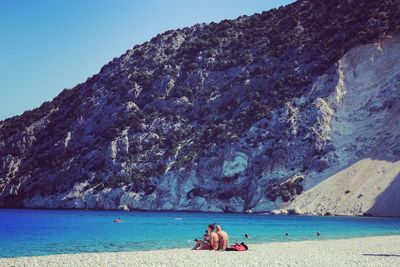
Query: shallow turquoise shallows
x=46, y=232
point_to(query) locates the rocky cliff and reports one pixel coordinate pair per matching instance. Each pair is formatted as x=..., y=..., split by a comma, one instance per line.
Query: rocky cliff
x=297, y=106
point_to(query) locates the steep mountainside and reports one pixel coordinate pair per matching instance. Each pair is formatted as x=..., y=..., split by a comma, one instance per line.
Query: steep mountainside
x=366, y=136
x=288, y=107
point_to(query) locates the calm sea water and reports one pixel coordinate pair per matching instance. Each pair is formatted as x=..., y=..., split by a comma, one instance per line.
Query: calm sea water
x=46, y=232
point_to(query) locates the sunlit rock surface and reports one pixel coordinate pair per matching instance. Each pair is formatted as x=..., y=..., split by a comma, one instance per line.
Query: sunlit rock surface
x=295, y=108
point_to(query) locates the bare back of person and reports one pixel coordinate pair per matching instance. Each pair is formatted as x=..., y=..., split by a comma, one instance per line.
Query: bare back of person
x=223, y=239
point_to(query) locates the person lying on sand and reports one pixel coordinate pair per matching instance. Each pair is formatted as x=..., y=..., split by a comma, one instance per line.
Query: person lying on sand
x=238, y=247
x=211, y=243
x=223, y=238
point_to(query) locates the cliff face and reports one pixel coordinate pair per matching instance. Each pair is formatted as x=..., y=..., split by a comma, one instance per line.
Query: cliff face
x=364, y=117
x=255, y=113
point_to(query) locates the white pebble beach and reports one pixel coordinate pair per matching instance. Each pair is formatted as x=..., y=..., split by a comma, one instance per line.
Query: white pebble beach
x=368, y=251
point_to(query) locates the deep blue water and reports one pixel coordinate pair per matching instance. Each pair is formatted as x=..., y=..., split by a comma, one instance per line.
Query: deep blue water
x=45, y=232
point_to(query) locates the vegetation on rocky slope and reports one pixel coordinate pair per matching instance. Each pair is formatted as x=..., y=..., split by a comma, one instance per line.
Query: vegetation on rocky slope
x=182, y=99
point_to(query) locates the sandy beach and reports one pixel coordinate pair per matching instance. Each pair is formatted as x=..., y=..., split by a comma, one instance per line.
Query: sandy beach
x=369, y=251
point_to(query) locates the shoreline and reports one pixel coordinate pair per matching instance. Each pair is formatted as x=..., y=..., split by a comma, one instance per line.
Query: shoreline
x=362, y=251
x=265, y=213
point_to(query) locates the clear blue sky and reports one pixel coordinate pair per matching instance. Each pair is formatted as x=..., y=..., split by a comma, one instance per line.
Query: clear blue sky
x=49, y=45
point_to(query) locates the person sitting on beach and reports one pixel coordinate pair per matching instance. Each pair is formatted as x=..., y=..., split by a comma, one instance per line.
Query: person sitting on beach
x=223, y=238
x=211, y=243
x=206, y=236
x=203, y=243
x=214, y=240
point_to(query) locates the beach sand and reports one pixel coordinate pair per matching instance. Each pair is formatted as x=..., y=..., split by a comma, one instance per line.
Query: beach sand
x=369, y=251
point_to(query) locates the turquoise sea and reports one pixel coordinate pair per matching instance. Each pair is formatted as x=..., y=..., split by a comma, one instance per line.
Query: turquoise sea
x=46, y=232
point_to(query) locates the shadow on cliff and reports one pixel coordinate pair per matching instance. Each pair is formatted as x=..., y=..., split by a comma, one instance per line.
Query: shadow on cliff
x=388, y=202
x=370, y=185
